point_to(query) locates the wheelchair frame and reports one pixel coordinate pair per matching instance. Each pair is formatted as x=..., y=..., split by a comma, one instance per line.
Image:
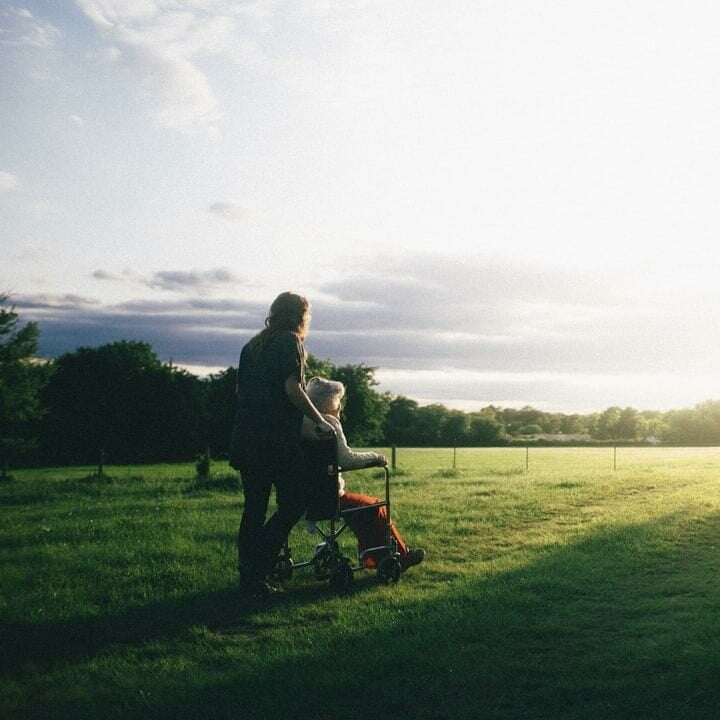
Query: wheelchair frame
x=328, y=561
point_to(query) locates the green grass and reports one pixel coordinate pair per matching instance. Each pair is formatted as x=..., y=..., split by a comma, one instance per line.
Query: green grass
x=567, y=591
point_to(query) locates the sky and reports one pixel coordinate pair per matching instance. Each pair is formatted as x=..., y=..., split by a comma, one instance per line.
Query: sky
x=508, y=203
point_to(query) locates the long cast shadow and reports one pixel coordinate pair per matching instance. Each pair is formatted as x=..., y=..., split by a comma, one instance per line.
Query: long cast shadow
x=31, y=647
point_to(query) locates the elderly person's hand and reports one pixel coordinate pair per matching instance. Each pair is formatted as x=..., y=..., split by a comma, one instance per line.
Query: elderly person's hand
x=324, y=429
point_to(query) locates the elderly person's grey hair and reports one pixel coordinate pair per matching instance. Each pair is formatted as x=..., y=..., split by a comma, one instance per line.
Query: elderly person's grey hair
x=325, y=394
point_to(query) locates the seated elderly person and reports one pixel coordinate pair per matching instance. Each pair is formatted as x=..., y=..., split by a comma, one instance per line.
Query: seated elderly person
x=369, y=525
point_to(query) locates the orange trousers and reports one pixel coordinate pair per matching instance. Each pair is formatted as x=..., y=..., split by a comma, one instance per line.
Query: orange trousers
x=369, y=525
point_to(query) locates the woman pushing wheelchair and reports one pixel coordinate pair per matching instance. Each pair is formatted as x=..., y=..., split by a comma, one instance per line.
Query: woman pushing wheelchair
x=273, y=411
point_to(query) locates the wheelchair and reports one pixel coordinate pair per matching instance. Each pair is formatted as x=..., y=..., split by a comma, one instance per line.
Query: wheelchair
x=329, y=561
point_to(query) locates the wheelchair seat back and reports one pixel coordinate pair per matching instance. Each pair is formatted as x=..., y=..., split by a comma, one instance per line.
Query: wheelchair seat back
x=321, y=467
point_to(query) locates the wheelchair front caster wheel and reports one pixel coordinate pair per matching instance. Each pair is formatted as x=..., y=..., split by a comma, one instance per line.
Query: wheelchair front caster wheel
x=283, y=569
x=324, y=562
x=341, y=578
x=389, y=570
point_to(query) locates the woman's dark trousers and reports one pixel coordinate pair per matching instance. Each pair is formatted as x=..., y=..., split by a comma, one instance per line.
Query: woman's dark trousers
x=259, y=542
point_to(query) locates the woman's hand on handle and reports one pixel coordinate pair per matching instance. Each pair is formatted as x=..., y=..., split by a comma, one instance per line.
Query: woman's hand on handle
x=298, y=397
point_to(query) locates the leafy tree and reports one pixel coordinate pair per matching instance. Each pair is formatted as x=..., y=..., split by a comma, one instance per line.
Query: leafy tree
x=515, y=419
x=681, y=426
x=626, y=427
x=364, y=410
x=179, y=412
x=530, y=430
x=20, y=381
x=708, y=414
x=551, y=423
x=651, y=424
x=604, y=428
x=572, y=424
x=314, y=367
x=454, y=428
x=591, y=421
x=700, y=424
x=120, y=399
x=485, y=427
x=399, y=428
x=220, y=398
x=616, y=423
x=429, y=424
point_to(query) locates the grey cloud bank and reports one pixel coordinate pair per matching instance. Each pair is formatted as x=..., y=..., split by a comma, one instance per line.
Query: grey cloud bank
x=459, y=333
x=200, y=281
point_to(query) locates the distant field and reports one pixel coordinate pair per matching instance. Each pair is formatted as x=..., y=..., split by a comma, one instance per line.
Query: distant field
x=567, y=590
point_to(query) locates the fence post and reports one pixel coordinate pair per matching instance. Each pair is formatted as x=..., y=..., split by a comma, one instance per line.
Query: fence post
x=454, y=456
x=615, y=457
x=527, y=457
x=393, y=462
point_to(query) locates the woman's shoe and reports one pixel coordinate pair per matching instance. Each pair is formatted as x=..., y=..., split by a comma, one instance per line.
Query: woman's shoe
x=414, y=557
x=259, y=589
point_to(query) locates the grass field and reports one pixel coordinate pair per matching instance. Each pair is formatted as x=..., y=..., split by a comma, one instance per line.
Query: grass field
x=565, y=591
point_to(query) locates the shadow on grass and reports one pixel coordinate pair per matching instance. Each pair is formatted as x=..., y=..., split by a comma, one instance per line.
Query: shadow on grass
x=621, y=624
x=45, y=492
x=32, y=647
x=28, y=648
x=130, y=487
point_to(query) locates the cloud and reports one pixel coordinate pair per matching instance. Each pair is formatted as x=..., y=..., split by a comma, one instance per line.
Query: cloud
x=171, y=47
x=436, y=280
x=126, y=276
x=553, y=392
x=194, y=332
x=164, y=46
x=8, y=182
x=228, y=210
x=196, y=281
x=430, y=313
x=181, y=92
x=52, y=303
x=21, y=29
x=103, y=275
x=491, y=301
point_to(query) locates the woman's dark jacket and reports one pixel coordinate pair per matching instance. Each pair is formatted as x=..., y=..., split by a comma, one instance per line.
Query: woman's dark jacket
x=267, y=425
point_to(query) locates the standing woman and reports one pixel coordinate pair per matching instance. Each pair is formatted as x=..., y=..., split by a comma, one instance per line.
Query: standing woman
x=266, y=447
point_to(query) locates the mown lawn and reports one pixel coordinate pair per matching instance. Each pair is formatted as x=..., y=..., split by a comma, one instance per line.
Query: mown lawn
x=567, y=590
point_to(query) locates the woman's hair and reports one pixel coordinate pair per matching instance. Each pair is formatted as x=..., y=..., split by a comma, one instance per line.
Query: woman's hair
x=325, y=395
x=289, y=311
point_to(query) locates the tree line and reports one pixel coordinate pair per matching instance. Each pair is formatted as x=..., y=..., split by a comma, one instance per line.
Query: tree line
x=120, y=402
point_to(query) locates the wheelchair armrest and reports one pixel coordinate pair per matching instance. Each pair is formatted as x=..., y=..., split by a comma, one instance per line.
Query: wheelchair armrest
x=371, y=464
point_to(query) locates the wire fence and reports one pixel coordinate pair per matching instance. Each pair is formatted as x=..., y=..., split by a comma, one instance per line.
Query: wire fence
x=529, y=457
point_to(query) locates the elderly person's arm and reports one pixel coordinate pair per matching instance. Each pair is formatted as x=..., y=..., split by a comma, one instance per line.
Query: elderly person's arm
x=347, y=458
